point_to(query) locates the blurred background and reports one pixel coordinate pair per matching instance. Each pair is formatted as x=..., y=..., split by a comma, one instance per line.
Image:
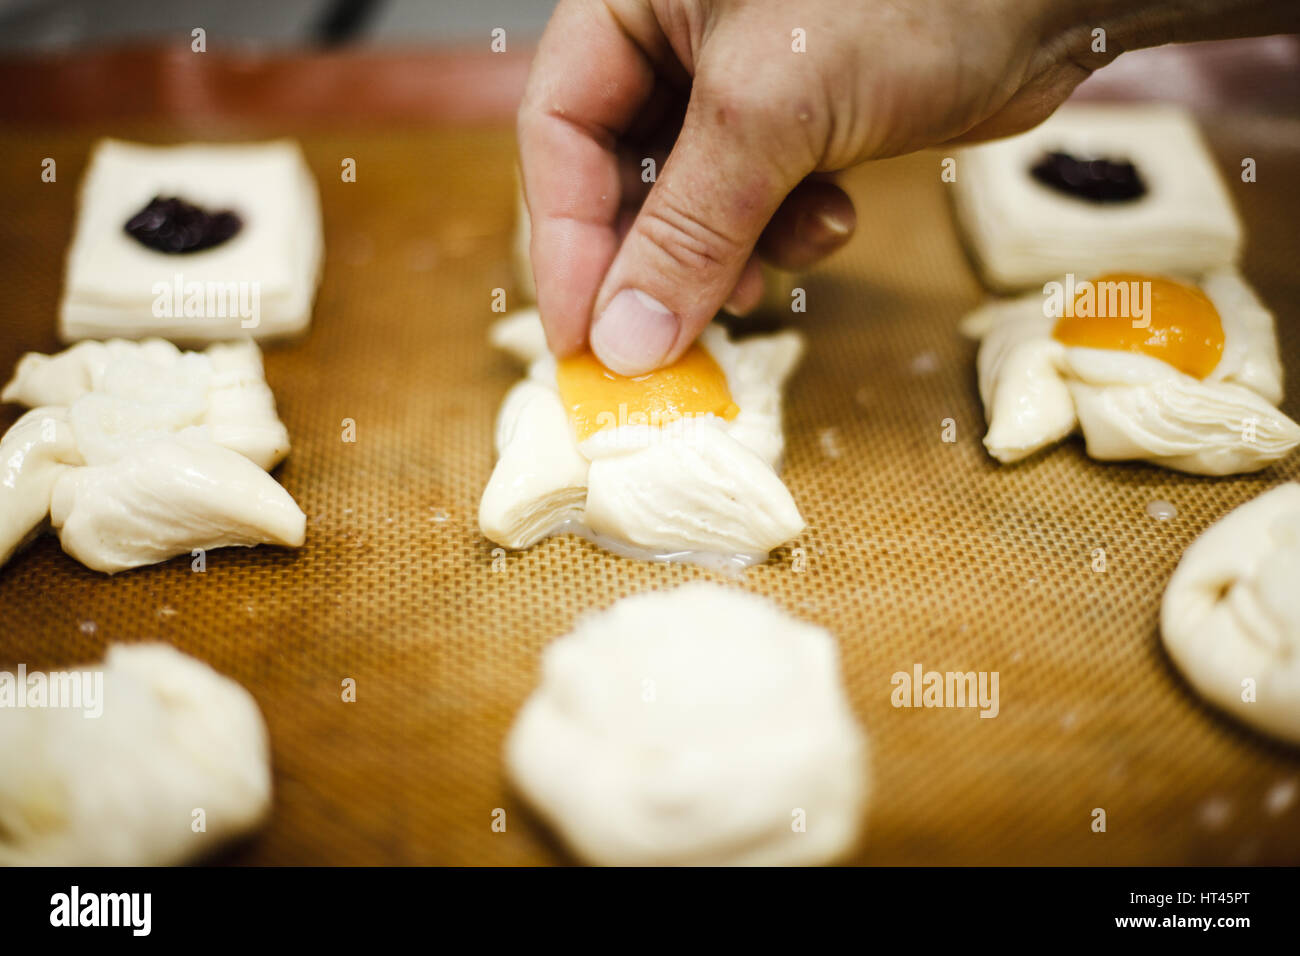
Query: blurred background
x=1260, y=75
x=58, y=24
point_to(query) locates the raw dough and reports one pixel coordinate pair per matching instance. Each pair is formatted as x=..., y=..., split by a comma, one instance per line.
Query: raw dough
x=114, y=286
x=695, y=489
x=1023, y=234
x=1036, y=390
x=1231, y=612
x=138, y=452
x=121, y=789
x=694, y=726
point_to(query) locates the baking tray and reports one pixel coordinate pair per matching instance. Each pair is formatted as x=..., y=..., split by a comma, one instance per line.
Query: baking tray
x=917, y=550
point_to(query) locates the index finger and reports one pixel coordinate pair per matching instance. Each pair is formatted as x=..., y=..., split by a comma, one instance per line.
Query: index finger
x=587, y=83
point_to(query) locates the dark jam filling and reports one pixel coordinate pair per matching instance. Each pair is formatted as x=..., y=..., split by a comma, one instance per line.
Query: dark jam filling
x=1093, y=180
x=175, y=226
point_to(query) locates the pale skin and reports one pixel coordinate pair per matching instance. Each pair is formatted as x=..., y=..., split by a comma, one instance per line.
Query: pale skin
x=745, y=133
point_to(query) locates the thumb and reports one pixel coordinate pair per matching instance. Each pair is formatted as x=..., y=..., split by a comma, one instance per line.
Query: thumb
x=727, y=174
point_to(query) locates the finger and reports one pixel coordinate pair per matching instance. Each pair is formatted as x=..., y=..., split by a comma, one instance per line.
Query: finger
x=735, y=161
x=748, y=292
x=814, y=221
x=587, y=83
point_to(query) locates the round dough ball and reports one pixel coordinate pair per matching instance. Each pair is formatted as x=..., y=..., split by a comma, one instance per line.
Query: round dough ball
x=116, y=780
x=701, y=725
x=1231, y=613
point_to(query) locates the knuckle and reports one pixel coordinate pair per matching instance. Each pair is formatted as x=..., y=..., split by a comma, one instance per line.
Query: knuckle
x=784, y=130
x=685, y=237
x=721, y=100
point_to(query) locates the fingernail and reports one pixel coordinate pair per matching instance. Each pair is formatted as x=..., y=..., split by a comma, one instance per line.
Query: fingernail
x=634, y=333
x=824, y=227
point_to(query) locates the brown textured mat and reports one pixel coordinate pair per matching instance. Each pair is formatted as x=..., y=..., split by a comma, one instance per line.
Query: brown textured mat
x=917, y=550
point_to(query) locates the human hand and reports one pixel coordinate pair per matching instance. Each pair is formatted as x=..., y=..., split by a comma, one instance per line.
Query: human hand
x=752, y=125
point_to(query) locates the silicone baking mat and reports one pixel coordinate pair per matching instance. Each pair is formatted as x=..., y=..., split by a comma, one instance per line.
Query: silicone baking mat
x=917, y=550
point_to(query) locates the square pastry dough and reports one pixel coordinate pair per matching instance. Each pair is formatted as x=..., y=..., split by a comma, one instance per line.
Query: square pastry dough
x=1023, y=233
x=700, y=488
x=1129, y=406
x=115, y=285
